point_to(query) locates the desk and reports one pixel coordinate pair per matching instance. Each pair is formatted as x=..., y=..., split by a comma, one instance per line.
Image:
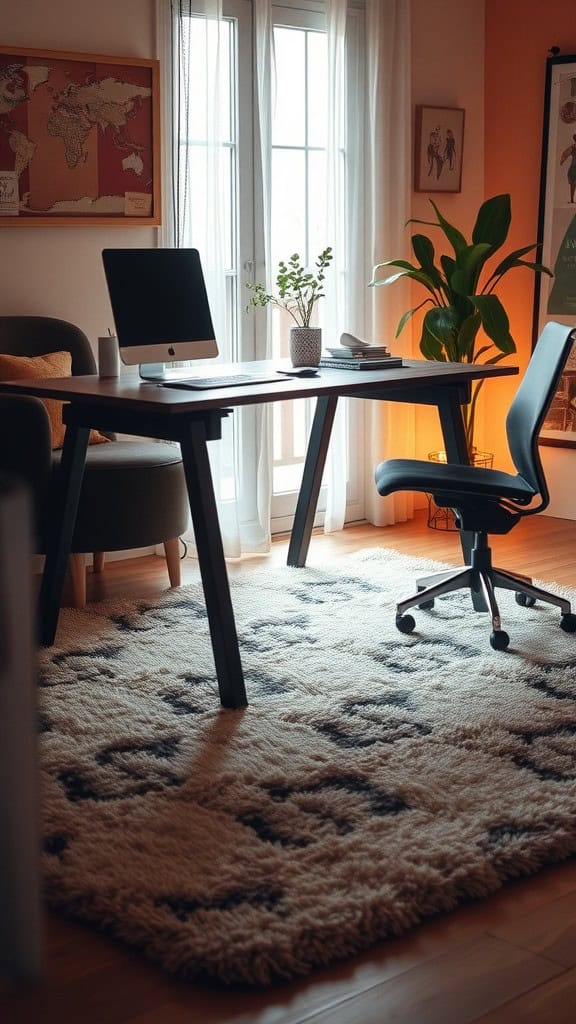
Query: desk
x=192, y=418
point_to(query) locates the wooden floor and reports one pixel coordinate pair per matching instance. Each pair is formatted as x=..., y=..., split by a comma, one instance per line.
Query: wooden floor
x=511, y=958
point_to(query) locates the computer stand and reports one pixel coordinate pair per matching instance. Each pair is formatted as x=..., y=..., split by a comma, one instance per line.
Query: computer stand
x=164, y=372
x=154, y=371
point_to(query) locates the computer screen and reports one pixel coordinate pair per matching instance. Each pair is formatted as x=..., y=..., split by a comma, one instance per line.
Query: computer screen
x=159, y=304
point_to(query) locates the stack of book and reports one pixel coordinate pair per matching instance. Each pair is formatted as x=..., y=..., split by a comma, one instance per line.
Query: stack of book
x=373, y=357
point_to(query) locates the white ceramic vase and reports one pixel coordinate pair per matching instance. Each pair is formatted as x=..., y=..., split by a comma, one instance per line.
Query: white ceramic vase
x=305, y=346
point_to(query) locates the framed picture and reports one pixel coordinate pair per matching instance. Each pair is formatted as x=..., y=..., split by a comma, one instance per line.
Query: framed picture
x=79, y=139
x=555, y=297
x=439, y=137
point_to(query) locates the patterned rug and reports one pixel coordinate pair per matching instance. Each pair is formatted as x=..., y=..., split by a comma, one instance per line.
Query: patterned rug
x=375, y=778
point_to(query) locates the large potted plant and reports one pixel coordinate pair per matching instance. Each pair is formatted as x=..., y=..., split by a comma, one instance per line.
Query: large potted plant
x=298, y=291
x=465, y=322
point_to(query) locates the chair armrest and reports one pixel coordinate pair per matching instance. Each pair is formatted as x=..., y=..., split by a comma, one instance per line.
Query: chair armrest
x=25, y=442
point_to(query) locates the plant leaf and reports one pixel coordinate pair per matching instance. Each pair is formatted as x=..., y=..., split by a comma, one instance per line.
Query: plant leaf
x=404, y=319
x=442, y=323
x=424, y=252
x=513, y=260
x=455, y=237
x=467, y=268
x=467, y=337
x=495, y=322
x=405, y=264
x=413, y=273
x=430, y=347
x=448, y=264
x=493, y=221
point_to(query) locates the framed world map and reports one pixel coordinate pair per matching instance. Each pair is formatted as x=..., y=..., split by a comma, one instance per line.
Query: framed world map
x=79, y=139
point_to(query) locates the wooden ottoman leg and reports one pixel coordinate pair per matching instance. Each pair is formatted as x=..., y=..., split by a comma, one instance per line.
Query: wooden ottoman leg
x=172, y=552
x=98, y=561
x=77, y=567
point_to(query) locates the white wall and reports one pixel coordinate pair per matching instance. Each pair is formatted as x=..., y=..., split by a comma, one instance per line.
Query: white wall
x=57, y=271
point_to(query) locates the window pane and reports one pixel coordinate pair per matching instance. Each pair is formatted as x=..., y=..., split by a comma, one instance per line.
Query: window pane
x=193, y=70
x=201, y=43
x=317, y=83
x=288, y=205
x=227, y=190
x=194, y=160
x=317, y=204
x=289, y=121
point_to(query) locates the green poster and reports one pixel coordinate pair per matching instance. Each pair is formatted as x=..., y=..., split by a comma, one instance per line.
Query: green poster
x=562, y=299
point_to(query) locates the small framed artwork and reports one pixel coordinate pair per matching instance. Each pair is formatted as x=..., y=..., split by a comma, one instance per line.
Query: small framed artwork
x=79, y=139
x=555, y=297
x=439, y=137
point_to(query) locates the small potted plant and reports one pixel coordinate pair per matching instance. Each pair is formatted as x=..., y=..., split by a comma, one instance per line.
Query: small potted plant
x=298, y=291
x=461, y=297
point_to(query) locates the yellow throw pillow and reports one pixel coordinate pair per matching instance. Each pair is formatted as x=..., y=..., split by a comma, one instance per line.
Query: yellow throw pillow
x=53, y=364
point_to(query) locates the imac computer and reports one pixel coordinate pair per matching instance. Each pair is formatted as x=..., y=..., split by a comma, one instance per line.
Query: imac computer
x=160, y=308
x=161, y=314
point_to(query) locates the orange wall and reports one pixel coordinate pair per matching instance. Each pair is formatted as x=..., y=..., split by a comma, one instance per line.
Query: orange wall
x=518, y=36
x=448, y=71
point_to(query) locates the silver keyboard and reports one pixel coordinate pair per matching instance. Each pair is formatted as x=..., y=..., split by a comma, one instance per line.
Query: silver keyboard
x=224, y=381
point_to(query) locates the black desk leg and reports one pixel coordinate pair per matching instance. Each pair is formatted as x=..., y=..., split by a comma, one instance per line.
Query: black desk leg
x=311, y=480
x=62, y=530
x=454, y=434
x=212, y=566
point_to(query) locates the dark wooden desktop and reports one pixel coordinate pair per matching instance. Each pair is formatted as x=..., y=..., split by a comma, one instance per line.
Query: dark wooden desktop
x=192, y=418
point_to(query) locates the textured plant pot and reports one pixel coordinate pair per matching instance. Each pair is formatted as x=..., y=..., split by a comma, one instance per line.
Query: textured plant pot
x=305, y=346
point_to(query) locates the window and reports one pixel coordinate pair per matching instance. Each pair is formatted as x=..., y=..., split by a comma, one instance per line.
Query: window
x=221, y=205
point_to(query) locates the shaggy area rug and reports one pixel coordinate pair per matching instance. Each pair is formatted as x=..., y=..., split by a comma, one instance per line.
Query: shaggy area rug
x=374, y=779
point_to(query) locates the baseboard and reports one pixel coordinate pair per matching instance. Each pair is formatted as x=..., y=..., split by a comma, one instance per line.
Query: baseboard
x=111, y=556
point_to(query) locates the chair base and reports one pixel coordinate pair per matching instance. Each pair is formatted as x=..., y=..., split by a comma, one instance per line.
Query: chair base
x=482, y=577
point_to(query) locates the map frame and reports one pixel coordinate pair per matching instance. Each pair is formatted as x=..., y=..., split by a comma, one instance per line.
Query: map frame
x=149, y=70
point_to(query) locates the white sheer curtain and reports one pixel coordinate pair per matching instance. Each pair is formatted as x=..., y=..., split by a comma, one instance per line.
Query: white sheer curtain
x=343, y=157
x=389, y=428
x=264, y=47
x=208, y=168
x=369, y=192
x=367, y=197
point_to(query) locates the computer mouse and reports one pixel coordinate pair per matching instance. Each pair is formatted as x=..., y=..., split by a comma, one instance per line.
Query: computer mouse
x=301, y=371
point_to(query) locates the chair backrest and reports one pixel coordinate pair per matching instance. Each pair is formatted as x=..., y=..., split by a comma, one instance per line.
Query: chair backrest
x=37, y=335
x=533, y=399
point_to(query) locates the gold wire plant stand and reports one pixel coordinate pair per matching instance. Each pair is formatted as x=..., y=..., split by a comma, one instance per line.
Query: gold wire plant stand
x=443, y=518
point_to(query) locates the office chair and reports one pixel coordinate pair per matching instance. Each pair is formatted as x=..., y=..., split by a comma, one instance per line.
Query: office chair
x=489, y=501
x=133, y=493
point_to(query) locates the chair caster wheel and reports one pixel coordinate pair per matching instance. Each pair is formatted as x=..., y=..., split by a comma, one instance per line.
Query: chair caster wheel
x=405, y=623
x=568, y=623
x=499, y=640
x=524, y=599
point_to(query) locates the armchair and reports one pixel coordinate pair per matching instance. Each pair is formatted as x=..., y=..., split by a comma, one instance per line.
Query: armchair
x=489, y=501
x=133, y=493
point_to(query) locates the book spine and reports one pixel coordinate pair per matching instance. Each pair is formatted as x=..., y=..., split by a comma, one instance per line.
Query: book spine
x=361, y=364
x=362, y=356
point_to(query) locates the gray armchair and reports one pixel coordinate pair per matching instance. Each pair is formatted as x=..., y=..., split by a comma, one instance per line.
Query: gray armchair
x=133, y=493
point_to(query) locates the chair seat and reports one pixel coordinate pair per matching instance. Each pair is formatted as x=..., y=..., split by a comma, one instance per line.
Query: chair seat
x=133, y=495
x=444, y=477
